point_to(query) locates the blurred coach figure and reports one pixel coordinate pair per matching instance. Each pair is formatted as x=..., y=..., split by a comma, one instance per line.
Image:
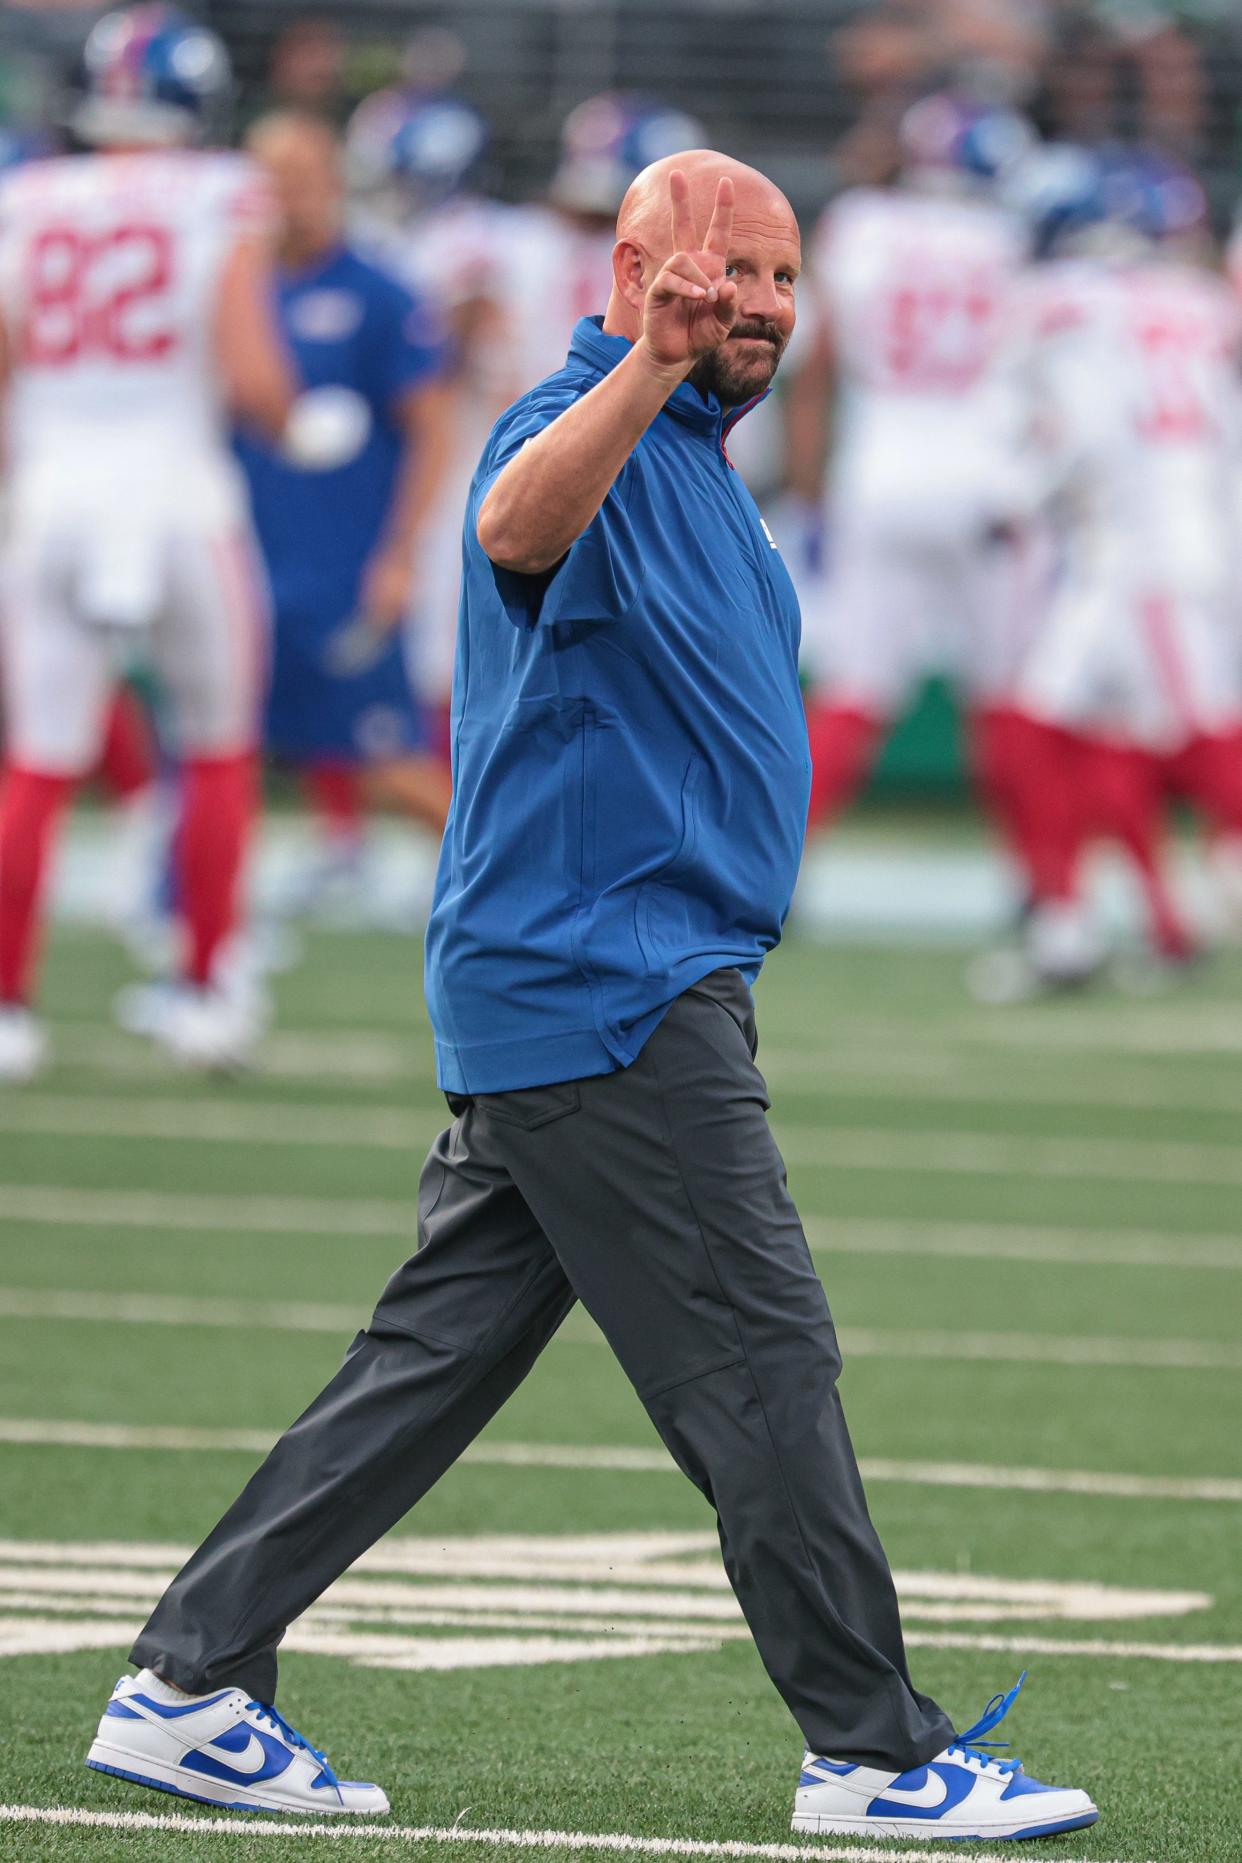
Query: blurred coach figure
x=631, y=787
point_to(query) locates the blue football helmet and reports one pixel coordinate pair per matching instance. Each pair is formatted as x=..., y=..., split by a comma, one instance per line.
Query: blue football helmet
x=608, y=140
x=153, y=75
x=1107, y=201
x=955, y=136
x=424, y=149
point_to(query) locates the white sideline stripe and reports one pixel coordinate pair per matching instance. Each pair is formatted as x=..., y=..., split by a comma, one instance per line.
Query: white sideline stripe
x=463, y=1834
x=993, y=1154
x=377, y=1217
x=623, y=1460
x=862, y=1342
x=174, y=1209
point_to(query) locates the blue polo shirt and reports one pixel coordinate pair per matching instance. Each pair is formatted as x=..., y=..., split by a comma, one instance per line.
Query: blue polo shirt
x=349, y=324
x=630, y=757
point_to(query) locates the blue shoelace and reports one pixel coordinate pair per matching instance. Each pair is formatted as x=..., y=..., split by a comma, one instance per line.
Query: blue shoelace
x=972, y=1743
x=295, y=1739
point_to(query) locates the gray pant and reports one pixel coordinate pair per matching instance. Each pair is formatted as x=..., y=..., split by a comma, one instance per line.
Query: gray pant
x=657, y=1197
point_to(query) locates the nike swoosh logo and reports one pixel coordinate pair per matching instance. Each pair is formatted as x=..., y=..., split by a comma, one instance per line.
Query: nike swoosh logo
x=940, y=1789
x=933, y=1793
x=261, y=1757
x=252, y=1758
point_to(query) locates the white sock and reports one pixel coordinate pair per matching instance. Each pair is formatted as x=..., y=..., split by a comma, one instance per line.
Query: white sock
x=152, y=1684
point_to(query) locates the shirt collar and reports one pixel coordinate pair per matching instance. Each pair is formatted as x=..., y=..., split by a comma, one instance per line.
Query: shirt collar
x=601, y=353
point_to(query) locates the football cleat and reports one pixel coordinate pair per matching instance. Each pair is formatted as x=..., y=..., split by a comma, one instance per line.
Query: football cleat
x=213, y=1029
x=23, y=1044
x=963, y=1792
x=220, y=1749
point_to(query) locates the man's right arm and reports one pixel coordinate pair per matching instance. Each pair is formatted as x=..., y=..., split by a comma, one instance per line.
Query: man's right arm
x=548, y=494
x=550, y=491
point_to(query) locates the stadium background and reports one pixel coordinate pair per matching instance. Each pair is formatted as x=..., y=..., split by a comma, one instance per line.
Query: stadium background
x=810, y=91
x=1027, y=1219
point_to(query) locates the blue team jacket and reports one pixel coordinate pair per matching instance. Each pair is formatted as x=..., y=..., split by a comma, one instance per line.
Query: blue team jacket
x=630, y=758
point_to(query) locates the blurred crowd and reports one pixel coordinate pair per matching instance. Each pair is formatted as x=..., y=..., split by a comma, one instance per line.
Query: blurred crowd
x=1006, y=448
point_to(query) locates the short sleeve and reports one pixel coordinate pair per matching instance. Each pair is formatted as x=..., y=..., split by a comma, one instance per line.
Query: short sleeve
x=409, y=345
x=247, y=199
x=599, y=577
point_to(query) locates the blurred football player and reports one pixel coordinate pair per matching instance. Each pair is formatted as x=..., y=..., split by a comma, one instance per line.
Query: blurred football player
x=134, y=299
x=1136, y=401
x=343, y=543
x=559, y=254
x=915, y=288
x=412, y=161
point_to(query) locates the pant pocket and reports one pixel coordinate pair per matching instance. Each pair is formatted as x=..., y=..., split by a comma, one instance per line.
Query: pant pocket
x=531, y=1107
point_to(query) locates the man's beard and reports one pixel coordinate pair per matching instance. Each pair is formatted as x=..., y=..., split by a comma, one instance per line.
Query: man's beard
x=735, y=377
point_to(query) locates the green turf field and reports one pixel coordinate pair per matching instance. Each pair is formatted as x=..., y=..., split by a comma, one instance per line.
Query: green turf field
x=1028, y=1223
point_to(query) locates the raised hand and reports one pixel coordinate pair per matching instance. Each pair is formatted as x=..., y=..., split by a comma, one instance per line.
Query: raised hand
x=691, y=305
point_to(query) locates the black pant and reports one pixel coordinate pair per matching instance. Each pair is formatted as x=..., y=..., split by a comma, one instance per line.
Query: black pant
x=657, y=1197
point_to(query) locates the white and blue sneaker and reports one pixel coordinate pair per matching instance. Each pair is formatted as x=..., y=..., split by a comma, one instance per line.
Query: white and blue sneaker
x=963, y=1792
x=221, y=1749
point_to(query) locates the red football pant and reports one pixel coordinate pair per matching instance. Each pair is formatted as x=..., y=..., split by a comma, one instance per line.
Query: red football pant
x=1208, y=772
x=31, y=806
x=334, y=790
x=1125, y=794
x=844, y=740
x=127, y=761
x=218, y=804
x=1027, y=772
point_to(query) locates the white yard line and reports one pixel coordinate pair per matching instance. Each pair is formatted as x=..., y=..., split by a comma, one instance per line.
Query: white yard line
x=232, y=1215
x=1163, y=1029
x=350, y=1054
x=1086, y=1646
x=307, y=1316
x=1022, y=1242
x=379, y=1217
x=992, y=1154
x=346, y=1828
x=937, y=1073
x=824, y=1146
x=53, y=1433
x=217, y=1122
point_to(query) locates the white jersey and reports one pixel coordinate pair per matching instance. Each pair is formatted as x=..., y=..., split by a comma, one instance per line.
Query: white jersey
x=1136, y=401
x=916, y=291
x=558, y=272
x=126, y=508
x=453, y=256
x=1137, y=413
x=109, y=271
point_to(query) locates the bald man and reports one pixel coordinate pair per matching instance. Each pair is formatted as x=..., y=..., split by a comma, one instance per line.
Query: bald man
x=631, y=789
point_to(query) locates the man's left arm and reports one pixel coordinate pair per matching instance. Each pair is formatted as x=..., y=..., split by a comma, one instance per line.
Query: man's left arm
x=410, y=379
x=425, y=416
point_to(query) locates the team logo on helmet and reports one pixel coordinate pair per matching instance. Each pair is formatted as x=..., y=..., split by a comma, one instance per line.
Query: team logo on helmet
x=152, y=75
x=609, y=139
x=426, y=147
